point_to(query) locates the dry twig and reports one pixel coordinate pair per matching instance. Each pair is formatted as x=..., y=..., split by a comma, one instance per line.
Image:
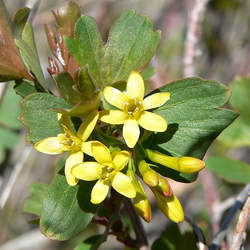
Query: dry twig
x=193, y=36
x=241, y=198
x=240, y=234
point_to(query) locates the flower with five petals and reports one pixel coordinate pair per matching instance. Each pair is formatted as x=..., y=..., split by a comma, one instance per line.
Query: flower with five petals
x=107, y=170
x=133, y=109
x=70, y=141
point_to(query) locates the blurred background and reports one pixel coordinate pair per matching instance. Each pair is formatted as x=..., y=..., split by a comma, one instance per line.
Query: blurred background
x=223, y=53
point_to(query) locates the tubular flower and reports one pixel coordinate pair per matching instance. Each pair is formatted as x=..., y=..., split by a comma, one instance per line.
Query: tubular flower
x=184, y=164
x=133, y=109
x=170, y=206
x=70, y=141
x=107, y=170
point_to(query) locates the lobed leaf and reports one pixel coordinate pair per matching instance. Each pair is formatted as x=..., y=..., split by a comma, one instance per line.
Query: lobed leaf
x=41, y=121
x=130, y=46
x=194, y=119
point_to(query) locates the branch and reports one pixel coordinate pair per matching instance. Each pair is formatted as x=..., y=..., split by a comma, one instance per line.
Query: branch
x=211, y=197
x=137, y=225
x=237, y=205
x=201, y=244
x=7, y=188
x=240, y=234
x=193, y=36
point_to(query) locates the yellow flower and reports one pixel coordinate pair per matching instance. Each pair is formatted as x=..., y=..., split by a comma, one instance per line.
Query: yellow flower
x=69, y=141
x=107, y=170
x=133, y=109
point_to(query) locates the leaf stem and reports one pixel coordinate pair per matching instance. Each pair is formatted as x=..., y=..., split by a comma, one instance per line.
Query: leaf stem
x=141, y=237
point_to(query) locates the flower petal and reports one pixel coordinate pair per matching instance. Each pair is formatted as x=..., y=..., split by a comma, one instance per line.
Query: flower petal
x=152, y=122
x=73, y=159
x=100, y=152
x=65, y=123
x=99, y=192
x=86, y=148
x=87, y=171
x=155, y=100
x=121, y=159
x=113, y=116
x=131, y=132
x=123, y=185
x=50, y=145
x=115, y=97
x=135, y=85
x=88, y=125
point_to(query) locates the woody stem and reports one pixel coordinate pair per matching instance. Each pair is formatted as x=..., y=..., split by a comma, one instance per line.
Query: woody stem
x=137, y=225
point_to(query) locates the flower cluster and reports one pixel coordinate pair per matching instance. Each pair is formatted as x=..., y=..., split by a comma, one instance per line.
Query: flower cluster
x=119, y=167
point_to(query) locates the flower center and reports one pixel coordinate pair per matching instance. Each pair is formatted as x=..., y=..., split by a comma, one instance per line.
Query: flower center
x=133, y=107
x=70, y=142
x=106, y=171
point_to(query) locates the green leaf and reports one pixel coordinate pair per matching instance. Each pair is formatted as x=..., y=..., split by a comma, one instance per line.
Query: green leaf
x=66, y=210
x=33, y=204
x=173, y=240
x=28, y=50
x=92, y=243
x=41, y=121
x=11, y=64
x=194, y=119
x=10, y=109
x=229, y=169
x=65, y=82
x=24, y=88
x=19, y=20
x=130, y=46
x=238, y=134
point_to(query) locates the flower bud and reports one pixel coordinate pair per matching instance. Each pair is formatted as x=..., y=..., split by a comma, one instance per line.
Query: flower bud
x=163, y=187
x=141, y=202
x=190, y=164
x=185, y=164
x=170, y=206
x=150, y=177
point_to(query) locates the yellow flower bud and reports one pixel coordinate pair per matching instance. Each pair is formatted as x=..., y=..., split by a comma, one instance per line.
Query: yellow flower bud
x=190, y=164
x=185, y=164
x=170, y=206
x=150, y=177
x=163, y=187
x=141, y=202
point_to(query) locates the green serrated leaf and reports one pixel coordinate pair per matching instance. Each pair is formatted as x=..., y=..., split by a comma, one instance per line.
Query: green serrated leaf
x=130, y=46
x=194, y=117
x=238, y=134
x=41, y=121
x=229, y=169
x=66, y=210
x=33, y=204
x=24, y=88
x=173, y=240
x=19, y=20
x=28, y=51
x=92, y=243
